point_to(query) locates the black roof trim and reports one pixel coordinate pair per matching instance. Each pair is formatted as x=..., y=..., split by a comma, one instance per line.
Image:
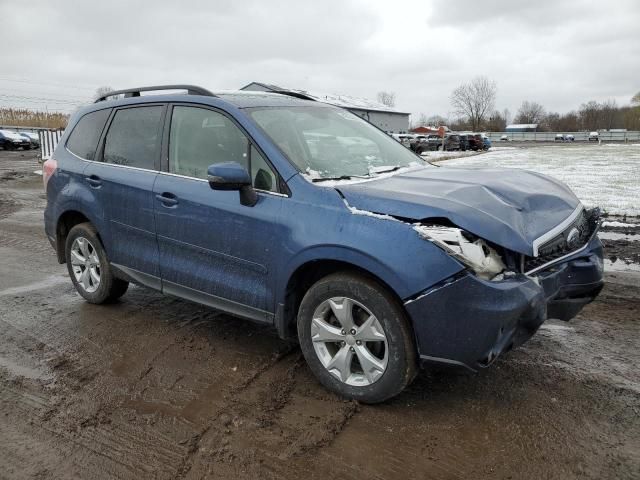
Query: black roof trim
x=289, y=93
x=135, y=92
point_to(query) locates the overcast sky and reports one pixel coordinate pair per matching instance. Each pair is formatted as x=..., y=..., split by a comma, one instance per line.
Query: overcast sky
x=560, y=54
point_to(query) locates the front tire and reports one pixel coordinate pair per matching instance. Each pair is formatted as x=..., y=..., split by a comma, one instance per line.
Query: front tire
x=89, y=267
x=356, y=338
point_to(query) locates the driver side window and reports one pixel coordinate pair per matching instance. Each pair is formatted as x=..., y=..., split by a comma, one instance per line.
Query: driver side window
x=200, y=137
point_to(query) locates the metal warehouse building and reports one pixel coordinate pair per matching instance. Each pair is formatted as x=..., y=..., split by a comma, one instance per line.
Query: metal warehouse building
x=383, y=117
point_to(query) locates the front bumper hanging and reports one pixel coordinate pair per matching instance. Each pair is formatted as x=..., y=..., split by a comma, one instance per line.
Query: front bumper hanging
x=469, y=321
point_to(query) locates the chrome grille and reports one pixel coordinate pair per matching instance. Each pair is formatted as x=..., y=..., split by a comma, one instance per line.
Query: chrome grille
x=565, y=242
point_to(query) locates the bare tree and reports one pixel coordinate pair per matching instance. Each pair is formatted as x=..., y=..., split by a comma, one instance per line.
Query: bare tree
x=422, y=121
x=590, y=115
x=437, y=120
x=474, y=100
x=506, y=114
x=497, y=122
x=102, y=91
x=551, y=123
x=609, y=113
x=387, y=98
x=530, y=112
x=635, y=100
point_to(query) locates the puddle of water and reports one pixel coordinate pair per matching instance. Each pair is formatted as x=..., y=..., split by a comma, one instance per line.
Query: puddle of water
x=554, y=326
x=620, y=266
x=23, y=371
x=47, y=282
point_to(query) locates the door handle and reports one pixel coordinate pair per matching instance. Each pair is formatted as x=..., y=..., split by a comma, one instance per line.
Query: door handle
x=168, y=199
x=94, y=181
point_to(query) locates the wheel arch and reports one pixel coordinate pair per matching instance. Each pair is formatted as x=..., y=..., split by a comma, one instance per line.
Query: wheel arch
x=318, y=264
x=66, y=221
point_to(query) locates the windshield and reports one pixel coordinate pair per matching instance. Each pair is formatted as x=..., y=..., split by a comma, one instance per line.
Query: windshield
x=326, y=142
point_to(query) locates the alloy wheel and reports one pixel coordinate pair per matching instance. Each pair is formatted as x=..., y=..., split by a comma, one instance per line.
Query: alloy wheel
x=85, y=264
x=349, y=341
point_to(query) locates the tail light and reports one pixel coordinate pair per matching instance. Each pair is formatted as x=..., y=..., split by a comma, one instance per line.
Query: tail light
x=48, y=168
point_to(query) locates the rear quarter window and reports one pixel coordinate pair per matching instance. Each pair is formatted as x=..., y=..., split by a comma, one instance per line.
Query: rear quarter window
x=83, y=140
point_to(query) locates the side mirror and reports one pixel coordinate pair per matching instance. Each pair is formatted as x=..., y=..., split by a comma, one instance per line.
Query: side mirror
x=232, y=176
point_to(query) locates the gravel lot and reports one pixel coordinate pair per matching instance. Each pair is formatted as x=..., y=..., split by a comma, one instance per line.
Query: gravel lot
x=155, y=387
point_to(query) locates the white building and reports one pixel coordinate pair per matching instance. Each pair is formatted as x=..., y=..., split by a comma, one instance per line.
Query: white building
x=383, y=117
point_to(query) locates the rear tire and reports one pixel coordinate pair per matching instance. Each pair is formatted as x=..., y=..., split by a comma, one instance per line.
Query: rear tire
x=365, y=351
x=89, y=267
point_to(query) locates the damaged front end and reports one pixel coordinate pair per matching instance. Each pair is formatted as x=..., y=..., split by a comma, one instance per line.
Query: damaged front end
x=473, y=252
x=503, y=297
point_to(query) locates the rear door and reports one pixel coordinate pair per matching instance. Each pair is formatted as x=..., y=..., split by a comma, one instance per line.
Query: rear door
x=123, y=178
x=213, y=249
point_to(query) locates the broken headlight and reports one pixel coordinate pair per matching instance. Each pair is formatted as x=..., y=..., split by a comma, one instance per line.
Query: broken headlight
x=472, y=251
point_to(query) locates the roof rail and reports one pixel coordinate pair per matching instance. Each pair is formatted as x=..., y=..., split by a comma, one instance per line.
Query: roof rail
x=290, y=93
x=135, y=92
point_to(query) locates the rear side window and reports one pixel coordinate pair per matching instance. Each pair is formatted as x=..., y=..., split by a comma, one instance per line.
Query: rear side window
x=134, y=137
x=83, y=141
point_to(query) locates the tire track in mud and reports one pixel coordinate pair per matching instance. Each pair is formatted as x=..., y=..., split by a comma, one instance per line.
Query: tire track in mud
x=7, y=206
x=278, y=413
x=22, y=242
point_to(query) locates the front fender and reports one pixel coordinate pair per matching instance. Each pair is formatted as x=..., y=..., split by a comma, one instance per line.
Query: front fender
x=344, y=254
x=387, y=248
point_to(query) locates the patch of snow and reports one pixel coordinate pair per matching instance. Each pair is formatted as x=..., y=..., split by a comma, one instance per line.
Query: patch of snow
x=310, y=175
x=38, y=172
x=440, y=155
x=605, y=177
x=618, y=236
x=619, y=224
x=366, y=213
x=620, y=266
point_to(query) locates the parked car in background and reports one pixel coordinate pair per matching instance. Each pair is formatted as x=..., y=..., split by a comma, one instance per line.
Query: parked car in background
x=433, y=142
x=404, y=138
x=569, y=138
x=452, y=142
x=594, y=136
x=504, y=138
x=473, y=141
x=448, y=143
x=464, y=142
x=11, y=140
x=486, y=142
x=254, y=206
x=33, y=138
x=419, y=144
x=559, y=137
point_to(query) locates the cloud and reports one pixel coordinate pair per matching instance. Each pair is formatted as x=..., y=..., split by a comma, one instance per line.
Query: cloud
x=560, y=54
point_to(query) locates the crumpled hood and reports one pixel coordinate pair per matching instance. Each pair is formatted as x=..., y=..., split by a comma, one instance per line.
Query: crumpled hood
x=508, y=207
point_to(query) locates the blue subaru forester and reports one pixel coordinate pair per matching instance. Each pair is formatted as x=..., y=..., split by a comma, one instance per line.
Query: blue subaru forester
x=304, y=216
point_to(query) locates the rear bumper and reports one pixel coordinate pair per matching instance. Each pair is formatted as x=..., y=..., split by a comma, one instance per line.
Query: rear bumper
x=49, y=228
x=469, y=321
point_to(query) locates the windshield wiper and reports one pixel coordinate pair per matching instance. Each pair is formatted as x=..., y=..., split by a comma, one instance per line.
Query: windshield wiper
x=384, y=169
x=341, y=177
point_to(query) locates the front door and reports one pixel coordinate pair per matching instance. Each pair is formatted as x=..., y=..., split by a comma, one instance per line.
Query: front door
x=213, y=249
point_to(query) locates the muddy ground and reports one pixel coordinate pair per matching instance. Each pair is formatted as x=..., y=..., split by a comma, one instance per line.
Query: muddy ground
x=156, y=387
